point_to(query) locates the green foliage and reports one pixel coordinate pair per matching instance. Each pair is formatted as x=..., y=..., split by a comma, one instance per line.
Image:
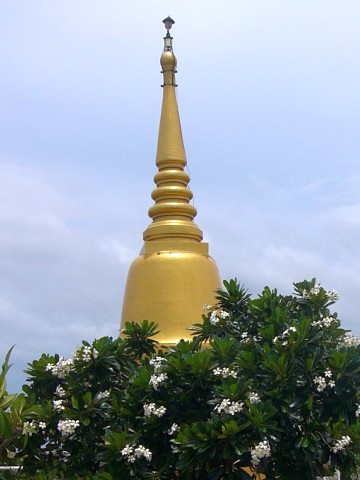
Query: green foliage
x=269, y=383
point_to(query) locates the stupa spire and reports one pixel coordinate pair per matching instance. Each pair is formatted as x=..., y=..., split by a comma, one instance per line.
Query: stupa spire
x=172, y=213
x=174, y=276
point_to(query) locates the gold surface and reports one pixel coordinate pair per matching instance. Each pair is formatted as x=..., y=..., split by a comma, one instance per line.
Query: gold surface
x=174, y=276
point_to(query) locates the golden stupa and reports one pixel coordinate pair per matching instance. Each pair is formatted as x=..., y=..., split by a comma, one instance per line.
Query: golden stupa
x=174, y=276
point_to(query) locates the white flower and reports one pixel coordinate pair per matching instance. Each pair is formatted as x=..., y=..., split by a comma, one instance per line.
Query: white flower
x=173, y=429
x=157, y=363
x=348, y=340
x=324, y=322
x=333, y=295
x=315, y=290
x=60, y=391
x=207, y=307
x=225, y=372
x=68, y=427
x=357, y=413
x=62, y=368
x=141, y=451
x=254, y=398
x=42, y=425
x=342, y=443
x=85, y=354
x=157, y=380
x=320, y=382
x=151, y=409
x=58, y=405
x=132, y=453
x=224, y=314
x=228, y=406
x=103, y=395
x=29, y=428
x=260, y=451
x=214, y=320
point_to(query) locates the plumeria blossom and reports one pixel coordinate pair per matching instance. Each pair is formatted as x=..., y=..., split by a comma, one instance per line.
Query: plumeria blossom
x=132, y=453
x=30, y=428
x=254, y=398
x=214, y=319
x=67, y=427
x=260, y=451
x=333, y=295
x=151, y=409
x=62, y=368
x=349, y=340
x=157, y=363
x=216, y=316
x=225, y=372
x=323, y=382
x=341, y=444
x=173, y=429
x=33, y=427
x=325, y=322
x=58, y=405
x=60, y=391
x=229, y=407
x=284, y=337
x=157, y=380
x=86, y=354
x=103, y=395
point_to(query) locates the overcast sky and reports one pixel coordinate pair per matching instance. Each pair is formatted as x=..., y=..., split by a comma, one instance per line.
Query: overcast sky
x=269, y=101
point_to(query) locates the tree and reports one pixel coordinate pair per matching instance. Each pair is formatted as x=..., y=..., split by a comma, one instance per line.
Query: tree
x=269, y=383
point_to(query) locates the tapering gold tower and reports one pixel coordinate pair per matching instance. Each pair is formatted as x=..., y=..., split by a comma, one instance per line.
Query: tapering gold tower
x=174, y=276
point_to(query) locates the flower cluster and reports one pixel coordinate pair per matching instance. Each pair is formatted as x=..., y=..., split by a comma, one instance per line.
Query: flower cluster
x=86, y=353
x=260, y=451
x=62, y=368
x=283, y=338
x=228, y=406
x=324, y=322
x=173, y=429
x=225, y=372
x=316, y=289
x=33, y=427
x=349, y=340
x=157, y=363
x=323, y=382
x=157, y=380
x=254, y=398
x=333, y=295
x=60, y=391
x=68, y=427
x=58, y=405
x=216, y=316
x=341, y=444
x=103, y=395
x=131, y=453
x=151, y=409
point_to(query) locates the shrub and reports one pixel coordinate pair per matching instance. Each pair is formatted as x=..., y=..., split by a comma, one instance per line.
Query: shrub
x=269, y=383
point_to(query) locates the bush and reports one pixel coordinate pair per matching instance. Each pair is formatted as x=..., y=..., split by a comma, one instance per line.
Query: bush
x=269, y=383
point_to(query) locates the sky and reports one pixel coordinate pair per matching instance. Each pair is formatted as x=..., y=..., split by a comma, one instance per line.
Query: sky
x=269, y=101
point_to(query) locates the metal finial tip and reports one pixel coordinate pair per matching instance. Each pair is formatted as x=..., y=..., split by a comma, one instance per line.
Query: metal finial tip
x=168, y=22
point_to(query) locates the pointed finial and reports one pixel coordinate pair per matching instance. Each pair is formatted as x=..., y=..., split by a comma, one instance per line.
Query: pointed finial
x=168, y=22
